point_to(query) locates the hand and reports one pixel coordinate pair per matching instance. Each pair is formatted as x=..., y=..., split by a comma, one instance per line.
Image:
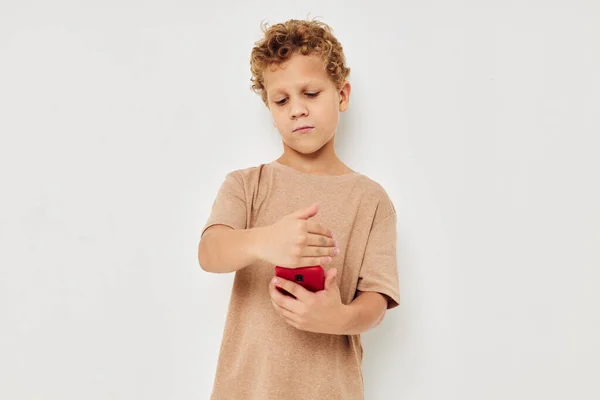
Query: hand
x=321, y=312
x=294, y=241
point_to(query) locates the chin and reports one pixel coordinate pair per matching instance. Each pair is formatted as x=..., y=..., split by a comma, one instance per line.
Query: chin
x=307, y=148
x=307, y=145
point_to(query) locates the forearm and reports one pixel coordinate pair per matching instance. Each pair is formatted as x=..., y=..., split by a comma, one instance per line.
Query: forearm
x=227, y=250
x=363, y=314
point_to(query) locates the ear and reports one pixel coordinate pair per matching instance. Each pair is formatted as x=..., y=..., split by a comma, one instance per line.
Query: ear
x=345, y=96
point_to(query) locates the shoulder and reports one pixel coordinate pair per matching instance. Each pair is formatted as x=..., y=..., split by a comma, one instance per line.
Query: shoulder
x=246, y=179
x=245, y=175
x=373, y=191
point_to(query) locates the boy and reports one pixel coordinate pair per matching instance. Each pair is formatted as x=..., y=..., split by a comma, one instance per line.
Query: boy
x=305, y=208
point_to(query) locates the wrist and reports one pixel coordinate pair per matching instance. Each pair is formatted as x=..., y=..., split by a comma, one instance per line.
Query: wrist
x=256, y=240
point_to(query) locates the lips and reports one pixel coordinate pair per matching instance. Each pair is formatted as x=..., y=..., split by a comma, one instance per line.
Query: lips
x=303, y=128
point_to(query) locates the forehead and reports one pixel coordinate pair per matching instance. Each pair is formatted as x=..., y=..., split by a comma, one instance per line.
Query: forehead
x=298, y=72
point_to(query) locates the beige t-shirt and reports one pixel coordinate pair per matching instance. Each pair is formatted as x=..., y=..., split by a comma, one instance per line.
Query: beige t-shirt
x=261, y=356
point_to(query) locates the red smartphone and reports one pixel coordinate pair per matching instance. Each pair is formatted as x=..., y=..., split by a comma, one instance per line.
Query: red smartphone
x=311, y=278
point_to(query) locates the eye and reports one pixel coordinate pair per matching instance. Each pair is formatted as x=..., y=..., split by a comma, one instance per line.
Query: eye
x=311, y=95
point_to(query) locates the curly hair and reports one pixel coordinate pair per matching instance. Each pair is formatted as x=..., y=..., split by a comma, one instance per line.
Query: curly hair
x=282, y=40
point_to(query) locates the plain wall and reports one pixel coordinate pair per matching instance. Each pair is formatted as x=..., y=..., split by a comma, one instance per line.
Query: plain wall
x=119, y=121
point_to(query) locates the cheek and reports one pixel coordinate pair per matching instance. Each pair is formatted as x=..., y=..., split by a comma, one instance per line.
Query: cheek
x=328, y=116
x=328, y=109
x=279, y=121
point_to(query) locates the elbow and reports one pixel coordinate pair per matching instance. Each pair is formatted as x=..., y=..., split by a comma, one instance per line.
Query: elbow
x=207, y=262
x=203, y=256
x=382, y=302
x=380, y=319
x=202, y=262
x=383, y=309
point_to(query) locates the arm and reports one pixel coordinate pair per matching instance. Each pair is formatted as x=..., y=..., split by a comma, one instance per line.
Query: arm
x=290, y=242
x=215, y=249
x=364, y=313
x=323, y=311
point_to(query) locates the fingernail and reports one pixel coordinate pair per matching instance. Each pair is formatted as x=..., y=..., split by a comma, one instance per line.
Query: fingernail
x=335, y=243
x=336, y=251
x=275, y=280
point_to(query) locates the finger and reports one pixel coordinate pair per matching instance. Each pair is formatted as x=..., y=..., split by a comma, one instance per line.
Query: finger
x=315, y=227
x=287, y=316
x=294, y=289
x=310, y=261
x=284, y=313
x=292, y=323
x=330, y=278
x=282, y=300
x=313, y=239
x=314, y=251
x=306, y=213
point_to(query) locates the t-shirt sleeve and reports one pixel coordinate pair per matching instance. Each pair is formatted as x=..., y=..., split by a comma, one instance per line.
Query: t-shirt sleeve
x=379, y=270
x=230, y=205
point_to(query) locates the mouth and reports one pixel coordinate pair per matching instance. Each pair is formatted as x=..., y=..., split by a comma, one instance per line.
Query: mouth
x=303, y=129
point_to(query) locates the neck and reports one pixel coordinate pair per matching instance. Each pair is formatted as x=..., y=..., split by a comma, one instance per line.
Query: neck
x=322, y=162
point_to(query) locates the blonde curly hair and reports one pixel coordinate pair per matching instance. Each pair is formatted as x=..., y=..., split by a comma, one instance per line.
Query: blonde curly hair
x=282, y=40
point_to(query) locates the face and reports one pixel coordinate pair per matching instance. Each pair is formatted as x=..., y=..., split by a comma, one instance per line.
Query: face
x=299, y=94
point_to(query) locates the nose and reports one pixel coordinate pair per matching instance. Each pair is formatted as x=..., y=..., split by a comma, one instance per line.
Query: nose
x=298, y=109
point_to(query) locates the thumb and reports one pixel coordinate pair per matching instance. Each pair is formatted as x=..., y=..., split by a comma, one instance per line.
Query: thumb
x=330, y=278
x=306, y=213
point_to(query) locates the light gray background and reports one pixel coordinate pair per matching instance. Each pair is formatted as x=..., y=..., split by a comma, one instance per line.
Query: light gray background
x=120, y=119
